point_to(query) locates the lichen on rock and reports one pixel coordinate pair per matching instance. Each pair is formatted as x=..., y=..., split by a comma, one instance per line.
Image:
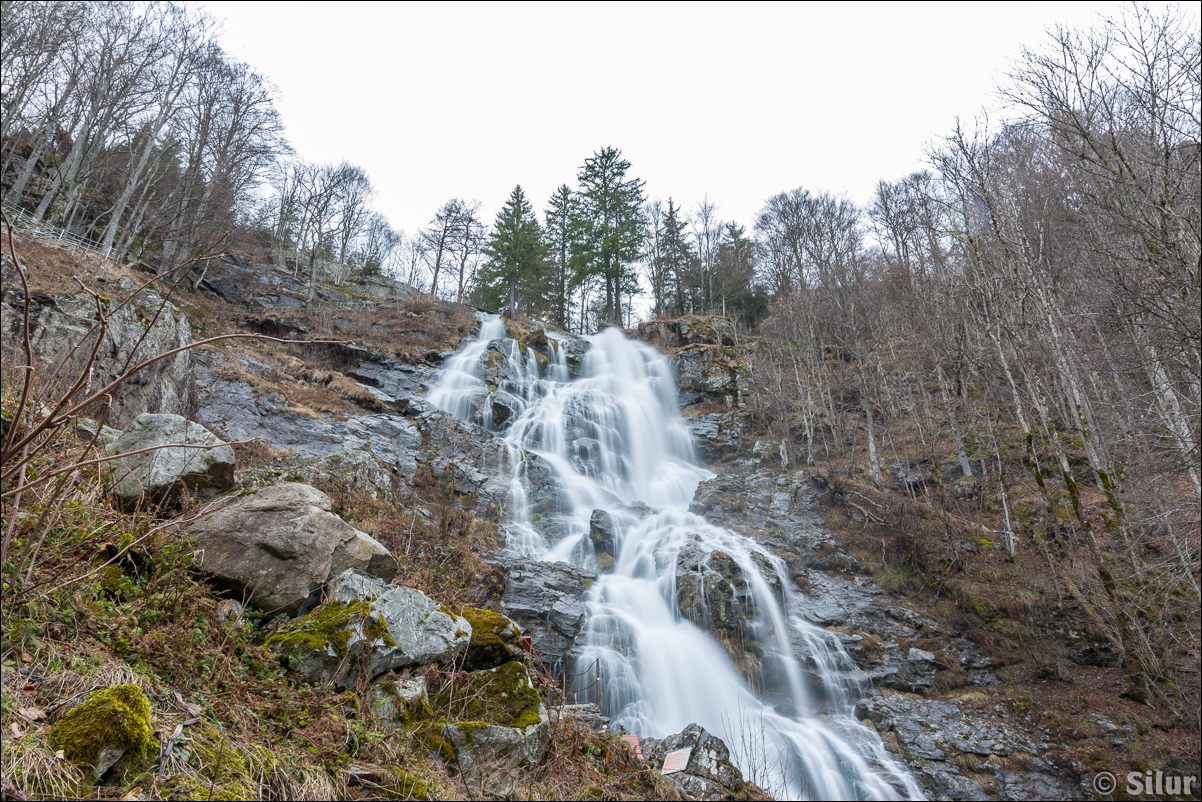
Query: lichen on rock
x=327, y=633
x=368, y=628
x=109, y=725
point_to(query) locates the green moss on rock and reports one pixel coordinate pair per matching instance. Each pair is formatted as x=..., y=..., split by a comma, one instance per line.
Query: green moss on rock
x=391, y=701
x=502, y=696
x=108, y=725
x=401, y=784
x=329, y=626
x=495, y=638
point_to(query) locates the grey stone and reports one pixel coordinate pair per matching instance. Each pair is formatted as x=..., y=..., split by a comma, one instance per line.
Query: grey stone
x=277, y=546
x=709, y=762
x=587, y=714
x=136, y=331
x=933, y=735
x=395, y=698
x=419, y=633
x=162, y=476
x=490, y=760
x=602, y=533
x=90, y=431
x=717, y=435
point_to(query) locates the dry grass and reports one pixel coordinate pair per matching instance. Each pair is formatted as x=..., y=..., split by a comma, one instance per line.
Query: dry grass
x=406, y=331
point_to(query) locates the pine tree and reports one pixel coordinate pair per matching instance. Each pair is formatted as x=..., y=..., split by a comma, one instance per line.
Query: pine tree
x=612, y=228
x=678, y=258
x=562, y=235
x=513, y=275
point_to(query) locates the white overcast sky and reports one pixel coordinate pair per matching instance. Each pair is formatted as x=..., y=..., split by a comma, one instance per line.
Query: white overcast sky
x=731, y=101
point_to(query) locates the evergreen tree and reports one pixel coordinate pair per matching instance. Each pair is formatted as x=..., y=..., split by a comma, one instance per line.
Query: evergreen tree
x=562, y=240
x=612, y=228
x=513, y=275
x=678, y=258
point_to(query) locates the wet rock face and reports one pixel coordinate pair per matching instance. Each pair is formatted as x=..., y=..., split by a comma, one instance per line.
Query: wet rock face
x=938, y=738
x=136, y=332
x=717, y=435
x=714, y=592
x=366, y=628
x=574, y=349
x=165, y=475
x=546, y=601
x=278, y=546
x=709, y=773
x=396, y=380
x=603, y=534
x=382, y=451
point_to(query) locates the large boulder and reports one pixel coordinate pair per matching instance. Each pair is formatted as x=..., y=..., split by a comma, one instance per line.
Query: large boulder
x=163, y=476
x=709, y=773
x=366, y=628
x=492, y=726
x=276, y=547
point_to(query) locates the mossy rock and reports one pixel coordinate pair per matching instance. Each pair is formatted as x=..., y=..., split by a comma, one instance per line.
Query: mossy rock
x=502, y=696
x=313, y=642
x=495, y=639
x=329, y=627
x=495, y=728
x=401, y=784
x=110, y=725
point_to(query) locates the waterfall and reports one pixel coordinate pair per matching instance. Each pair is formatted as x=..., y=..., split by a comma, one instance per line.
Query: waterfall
x=622, y=455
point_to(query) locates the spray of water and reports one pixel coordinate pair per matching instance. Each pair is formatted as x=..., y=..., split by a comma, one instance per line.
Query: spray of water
x=616, y=442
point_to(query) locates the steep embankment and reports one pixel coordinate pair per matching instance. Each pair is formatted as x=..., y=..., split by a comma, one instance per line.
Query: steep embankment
x=993, y=680
x=251, y=642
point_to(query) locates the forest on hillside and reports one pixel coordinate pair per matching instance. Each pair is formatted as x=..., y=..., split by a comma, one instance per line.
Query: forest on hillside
x=1033, y=296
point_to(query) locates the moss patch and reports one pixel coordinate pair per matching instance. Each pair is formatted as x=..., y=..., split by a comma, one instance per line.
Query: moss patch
x=501, y=696
x=494, y=640
x=109, y=720
x=388, y=703
x=329, y=626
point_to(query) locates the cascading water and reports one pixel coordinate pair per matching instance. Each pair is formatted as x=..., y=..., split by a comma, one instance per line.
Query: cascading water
x=617, y=443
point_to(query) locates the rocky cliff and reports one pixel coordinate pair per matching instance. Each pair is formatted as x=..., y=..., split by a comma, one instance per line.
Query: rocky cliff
x=336, y=440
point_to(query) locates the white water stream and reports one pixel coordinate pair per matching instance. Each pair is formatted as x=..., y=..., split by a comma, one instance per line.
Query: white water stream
x=616, y=440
